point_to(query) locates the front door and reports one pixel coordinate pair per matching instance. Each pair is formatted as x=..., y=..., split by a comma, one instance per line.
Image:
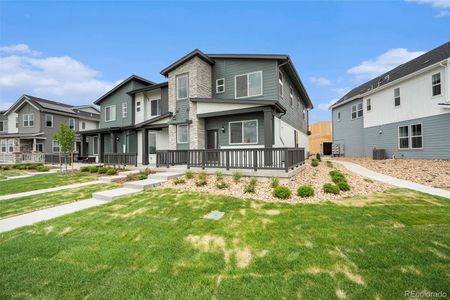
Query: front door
x=212, y=142
x=152, y=148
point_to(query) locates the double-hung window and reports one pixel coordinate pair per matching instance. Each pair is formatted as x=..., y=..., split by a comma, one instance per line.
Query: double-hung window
x=416, y=136
x=83, y=125
x=72, y=123
x=436, y=84
x=280, y=84
x=124, y=109
x=48, y=120
x=56, y=147
x=10, y=146
x=410, y=137
x=291, y=96
x=220, y=85
x=155, y=107
x=110, y=113
x=28, y=120
x=182, y=134
x=357, y=111
x=339, y=116
x=3, y=144
x=243, y=132
x=248, y=85
x=403, y=137
x=182, y=86
x=369, y=105
x=3, y=126
x=138, y=106
x=397, y=96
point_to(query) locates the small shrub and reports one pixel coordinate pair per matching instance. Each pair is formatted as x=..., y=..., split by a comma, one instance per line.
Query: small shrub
x=237, y=176
x=6, y=168
x=305, y=191
x=42, y=169
x=189, y=174
x=202, y=175
x=142, y=177
x=331, y=188
x=274, y=182
x=329, y=164
x=221, y=185
x=318, y=157
x=343, y=185
x=336, y=176
x=253, y=181
x=102, y=170
x=282, y=192
x=201, y=182
x=85, y=169
x=219, y=175
x=111, y=171
x=251, y=186
x=179, y=180
x=93, y=169
x=314, y=162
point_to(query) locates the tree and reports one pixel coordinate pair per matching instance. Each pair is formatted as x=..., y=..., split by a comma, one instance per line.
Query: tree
x=66, y=139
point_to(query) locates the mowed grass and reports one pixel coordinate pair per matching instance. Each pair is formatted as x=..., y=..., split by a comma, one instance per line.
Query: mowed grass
x=9, y=173
x=16, y=206
x=43, y=181
x=158, y=245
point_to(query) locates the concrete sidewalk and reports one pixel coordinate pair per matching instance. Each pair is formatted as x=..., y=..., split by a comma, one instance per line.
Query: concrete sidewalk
x=47, y=214
x=393, y=180
x=53, y=189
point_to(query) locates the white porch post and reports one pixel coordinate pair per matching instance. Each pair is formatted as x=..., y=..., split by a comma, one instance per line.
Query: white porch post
x=34, y=145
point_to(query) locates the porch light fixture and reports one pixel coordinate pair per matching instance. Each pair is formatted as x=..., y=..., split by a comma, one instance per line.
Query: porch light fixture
x=223, y=129
x=117, y=139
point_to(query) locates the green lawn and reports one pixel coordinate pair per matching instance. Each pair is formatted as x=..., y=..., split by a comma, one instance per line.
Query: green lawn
x=22, y=205
x=9, y=173
x=43, y=181
x=157, y=245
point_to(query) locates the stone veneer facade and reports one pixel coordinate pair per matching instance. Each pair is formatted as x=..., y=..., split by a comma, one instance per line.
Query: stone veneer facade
x=200, y=86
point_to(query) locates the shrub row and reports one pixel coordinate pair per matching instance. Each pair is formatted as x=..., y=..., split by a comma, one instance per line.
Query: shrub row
x=27, y=166
x=99, y=170
x=339, y=179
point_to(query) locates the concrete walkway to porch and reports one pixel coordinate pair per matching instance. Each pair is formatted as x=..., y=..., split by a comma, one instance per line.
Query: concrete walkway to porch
x=393, y=180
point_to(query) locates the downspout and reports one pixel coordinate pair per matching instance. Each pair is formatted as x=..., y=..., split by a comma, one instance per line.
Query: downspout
x=279, y=127
x=447, y=87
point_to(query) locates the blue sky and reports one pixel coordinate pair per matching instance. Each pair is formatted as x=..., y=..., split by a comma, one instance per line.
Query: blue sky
x=75, y=51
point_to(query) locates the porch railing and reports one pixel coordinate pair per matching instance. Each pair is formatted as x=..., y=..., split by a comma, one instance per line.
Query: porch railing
x=258, y=158
x=120, y=159
x=6, y=158
x=33, y=157
x=56, y=159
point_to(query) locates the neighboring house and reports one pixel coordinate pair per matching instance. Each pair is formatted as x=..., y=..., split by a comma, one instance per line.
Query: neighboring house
x=405, y=111
x=210, y=101
x=30, y=124
x=320, y=139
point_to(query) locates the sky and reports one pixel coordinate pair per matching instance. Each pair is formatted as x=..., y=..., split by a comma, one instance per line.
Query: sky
x=74, y=52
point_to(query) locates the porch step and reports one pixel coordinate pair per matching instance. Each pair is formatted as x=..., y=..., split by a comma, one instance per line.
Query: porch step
x=165, y=175
x=110, y=195
x=143, y=185
x=112, y=178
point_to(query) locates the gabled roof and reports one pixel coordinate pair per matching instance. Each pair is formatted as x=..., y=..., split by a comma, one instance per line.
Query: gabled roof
x=131, y=78
x=423, y=61
x=185, y=58
x=148, y=88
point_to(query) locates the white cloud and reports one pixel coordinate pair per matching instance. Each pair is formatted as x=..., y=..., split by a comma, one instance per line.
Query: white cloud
x=326, y=106
x=434, y=3
x=443, y=13
x=59, y=78
x=321, y=81
x=383, y=63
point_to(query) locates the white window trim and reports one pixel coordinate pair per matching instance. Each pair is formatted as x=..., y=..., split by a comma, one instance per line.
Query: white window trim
x=280, y=82
x=399, y=96
x=440, y=83
x=248, y=85
x=369, y=100
x=4, y=143
x=124, y=110
x=53, y=147
x=83, y=125
x=398, y=137
x=221, y=85
x=74, y=123
x=38, y=147
x=176, y=86
x=5, y=127
x=111, y=109
x=357, y=110
x=187, y=128
x=410, y=136
x=158, y=108
x=291, y=96
x=242, y=143
x=48, y=115
x=28, y=120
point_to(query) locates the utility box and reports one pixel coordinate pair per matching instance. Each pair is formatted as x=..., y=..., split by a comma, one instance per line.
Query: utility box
x=379, y=154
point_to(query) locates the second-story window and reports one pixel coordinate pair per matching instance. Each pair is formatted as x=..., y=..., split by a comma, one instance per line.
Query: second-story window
x=357, y=111
x=72, y=123
x=124, y=110
x=436, y=84
x=280, y=84
x=397, y=96
x=48, y=120
x=138, y=106
x=368, y=105
x=17, y=122
x=155, y=107
x=3, y=126
x=182, y=87
x=339, y=116
x=291, y=96
x=28, y=120
x=248, y=85
x=83, y=125
x=220, y=85
x=110, y=113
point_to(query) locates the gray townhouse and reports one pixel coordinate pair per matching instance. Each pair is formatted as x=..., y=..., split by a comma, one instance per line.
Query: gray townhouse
x=210, y=102
x=29, y=125
x=405, y=111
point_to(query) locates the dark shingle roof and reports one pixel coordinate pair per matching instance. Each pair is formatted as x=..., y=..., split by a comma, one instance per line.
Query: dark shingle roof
x=185, y=58
x=132, y=77
x=149, y=88
x=434, y=56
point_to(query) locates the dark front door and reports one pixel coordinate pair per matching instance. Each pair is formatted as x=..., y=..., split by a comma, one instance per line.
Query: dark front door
x=212, y=142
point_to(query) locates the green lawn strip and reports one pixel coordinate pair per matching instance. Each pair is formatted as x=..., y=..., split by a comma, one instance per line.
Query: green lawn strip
x=9, y=173
x=156, y=244
x=43, y=181
x=12, y=207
